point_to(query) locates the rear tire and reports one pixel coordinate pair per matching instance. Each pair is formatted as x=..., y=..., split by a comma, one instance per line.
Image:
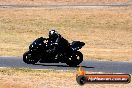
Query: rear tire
x=75, y=59
x=29, y=58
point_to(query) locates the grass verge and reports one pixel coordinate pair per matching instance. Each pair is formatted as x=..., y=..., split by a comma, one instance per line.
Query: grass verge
x=106, y=31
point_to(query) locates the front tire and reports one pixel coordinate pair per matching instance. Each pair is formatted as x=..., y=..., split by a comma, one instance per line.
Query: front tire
x=75, y=59
x=29, y=58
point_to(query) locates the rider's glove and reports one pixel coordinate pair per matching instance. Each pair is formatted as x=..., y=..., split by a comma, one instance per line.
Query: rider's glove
x=55, y=44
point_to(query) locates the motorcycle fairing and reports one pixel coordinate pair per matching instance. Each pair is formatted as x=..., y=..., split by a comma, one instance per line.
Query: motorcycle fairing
x=76, y=45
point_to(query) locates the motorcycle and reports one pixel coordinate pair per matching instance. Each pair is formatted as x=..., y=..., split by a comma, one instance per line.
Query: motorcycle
x=39, y=51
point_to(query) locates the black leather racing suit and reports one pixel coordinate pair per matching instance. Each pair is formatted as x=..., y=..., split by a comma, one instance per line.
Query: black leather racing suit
x=60, y=44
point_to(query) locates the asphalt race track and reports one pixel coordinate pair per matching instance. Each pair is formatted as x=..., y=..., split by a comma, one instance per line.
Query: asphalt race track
x=89, y=65
x=62, y=6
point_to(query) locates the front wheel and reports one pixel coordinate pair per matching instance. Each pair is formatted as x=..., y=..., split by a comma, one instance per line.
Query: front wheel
x=29, y=58
x=75, y=59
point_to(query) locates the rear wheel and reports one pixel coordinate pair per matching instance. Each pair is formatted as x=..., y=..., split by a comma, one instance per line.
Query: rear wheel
x=75, y=59
x=29, y=58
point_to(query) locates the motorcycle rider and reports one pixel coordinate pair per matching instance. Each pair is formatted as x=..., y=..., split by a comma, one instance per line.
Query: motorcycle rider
x=60, y=44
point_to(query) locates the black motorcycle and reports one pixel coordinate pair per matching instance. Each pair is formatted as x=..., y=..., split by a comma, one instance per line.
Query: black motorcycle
x=42, y=51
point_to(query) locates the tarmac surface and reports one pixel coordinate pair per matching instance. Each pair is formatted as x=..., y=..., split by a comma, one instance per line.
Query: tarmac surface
x=62, y=6
x=88, y=65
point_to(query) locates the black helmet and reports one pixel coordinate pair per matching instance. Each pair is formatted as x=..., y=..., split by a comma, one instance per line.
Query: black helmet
x=52, y=34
